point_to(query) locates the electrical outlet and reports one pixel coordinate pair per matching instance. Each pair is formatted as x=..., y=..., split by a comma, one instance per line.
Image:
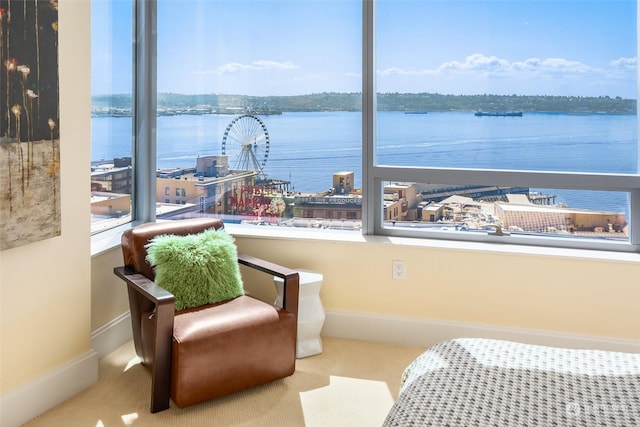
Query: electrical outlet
x=399, y=269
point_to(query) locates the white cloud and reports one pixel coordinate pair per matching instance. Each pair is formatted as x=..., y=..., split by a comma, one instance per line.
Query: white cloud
x=260, y=65
x=625, y=63
x=405, y=72
x=493, y=66
x=563, y=66
x=476, y=62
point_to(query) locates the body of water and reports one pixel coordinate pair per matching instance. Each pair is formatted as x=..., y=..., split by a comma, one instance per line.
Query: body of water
x=307, y=148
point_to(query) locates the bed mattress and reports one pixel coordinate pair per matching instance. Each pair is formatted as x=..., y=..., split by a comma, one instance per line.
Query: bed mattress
x=483, y=382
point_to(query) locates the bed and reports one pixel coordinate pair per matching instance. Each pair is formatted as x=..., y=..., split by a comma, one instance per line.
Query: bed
x=484, y=382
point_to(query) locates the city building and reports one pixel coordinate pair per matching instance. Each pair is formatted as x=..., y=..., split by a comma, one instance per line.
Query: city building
x=518, y=213
x=341, y=201
x=113, y=177
x=209, y=186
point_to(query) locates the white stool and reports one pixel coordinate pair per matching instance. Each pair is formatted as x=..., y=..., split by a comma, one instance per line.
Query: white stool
x=310, y=312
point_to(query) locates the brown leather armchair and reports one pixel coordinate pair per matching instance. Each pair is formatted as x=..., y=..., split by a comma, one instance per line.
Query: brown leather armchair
x=205, y=352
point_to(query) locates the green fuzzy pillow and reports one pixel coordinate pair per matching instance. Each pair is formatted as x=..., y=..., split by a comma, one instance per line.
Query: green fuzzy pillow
x=197, y=268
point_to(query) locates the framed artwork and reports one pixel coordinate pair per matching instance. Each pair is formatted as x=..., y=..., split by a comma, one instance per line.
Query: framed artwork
x=29, y=122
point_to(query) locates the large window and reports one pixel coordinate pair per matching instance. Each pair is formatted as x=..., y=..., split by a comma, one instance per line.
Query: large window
x=506, y=121
x=112, y=120
x=259, y=110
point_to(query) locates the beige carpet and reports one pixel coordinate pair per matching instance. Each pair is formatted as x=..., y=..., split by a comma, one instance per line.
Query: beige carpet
x=351, y=383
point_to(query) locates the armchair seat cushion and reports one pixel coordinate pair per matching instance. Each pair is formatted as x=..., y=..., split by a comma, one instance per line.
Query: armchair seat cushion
x=215, y=348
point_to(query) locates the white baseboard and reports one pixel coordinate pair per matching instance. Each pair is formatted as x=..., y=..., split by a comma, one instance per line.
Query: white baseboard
x=38, y=396
x=427, y=332
x=109, y=337
x=400, y=330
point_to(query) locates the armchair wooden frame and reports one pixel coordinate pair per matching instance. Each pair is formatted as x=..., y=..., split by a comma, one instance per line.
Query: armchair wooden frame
x=144, y=293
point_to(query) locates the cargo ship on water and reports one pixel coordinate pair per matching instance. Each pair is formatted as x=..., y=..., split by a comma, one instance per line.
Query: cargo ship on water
x=499, y=113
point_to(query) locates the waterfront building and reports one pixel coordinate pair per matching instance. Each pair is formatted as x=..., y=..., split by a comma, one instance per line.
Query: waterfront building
x=341, y=202
x=401, y=202
x=550, y=219
x=113, y=177
x=519, y=214
x=110, y=205
x=328, y=206
x=210, y=186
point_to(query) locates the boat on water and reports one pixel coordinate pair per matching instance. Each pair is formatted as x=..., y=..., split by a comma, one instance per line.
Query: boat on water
x=499, y=113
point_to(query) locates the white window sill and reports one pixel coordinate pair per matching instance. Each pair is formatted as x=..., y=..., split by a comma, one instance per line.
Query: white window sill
x=110, y=239
x=357, y=237
x=107, y=240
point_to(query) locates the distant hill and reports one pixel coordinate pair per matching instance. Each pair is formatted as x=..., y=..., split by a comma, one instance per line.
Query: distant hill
x=173, y=103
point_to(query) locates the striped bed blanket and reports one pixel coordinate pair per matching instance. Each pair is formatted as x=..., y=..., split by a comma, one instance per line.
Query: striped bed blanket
x=484, y=382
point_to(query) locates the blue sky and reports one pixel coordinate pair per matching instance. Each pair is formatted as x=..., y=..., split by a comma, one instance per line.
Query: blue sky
x=291, y=47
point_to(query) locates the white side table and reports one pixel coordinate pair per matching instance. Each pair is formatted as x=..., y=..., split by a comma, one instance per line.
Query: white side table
x=310, y=312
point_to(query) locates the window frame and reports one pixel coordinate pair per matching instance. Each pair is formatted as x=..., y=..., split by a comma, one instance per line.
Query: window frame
x=373, y=176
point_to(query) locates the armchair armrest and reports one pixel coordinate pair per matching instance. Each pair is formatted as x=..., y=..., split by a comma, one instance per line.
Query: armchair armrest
x=291, y=278
x=145, y=294
x=144, y=285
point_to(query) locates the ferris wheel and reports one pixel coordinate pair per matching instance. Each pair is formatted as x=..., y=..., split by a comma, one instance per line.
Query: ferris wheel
x=246, y=143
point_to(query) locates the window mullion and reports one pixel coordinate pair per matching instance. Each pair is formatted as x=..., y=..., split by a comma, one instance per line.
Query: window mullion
x=144, y=111
x=371, y=206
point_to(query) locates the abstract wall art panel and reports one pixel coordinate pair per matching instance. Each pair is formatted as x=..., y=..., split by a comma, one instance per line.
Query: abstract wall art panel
x=29, y=122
